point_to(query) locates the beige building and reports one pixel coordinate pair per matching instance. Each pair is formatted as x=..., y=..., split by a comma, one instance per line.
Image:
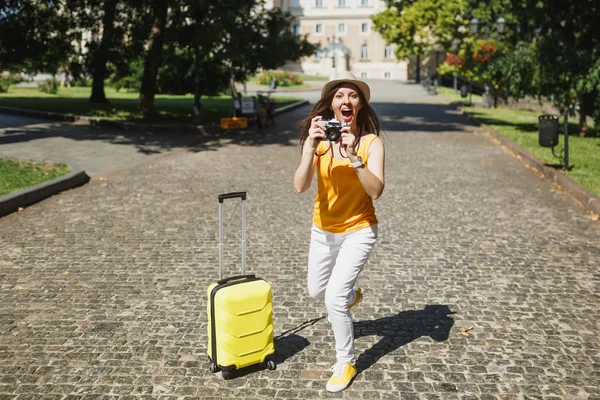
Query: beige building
x=343, y=32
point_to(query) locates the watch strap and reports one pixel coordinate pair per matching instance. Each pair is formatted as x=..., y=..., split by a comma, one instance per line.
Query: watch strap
x=358, y=163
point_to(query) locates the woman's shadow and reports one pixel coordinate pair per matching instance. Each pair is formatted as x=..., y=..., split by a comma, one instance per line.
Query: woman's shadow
x=400, y=329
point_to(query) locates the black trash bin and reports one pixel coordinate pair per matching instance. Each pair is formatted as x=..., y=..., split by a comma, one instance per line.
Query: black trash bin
x=548, y=130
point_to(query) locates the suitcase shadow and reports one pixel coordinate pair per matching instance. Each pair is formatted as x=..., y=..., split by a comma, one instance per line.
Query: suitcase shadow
x=400, y=329
x=287, y=344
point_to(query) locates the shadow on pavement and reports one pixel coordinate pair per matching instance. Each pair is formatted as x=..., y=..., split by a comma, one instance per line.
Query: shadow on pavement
x=422, y=117
x=287, y=344
x=400, y=329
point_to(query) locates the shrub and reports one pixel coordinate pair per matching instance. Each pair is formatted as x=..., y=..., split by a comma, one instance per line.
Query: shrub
x=485, y=50
x=283, y=78
x=4, y=84
x=8, y=80
x=49, y=86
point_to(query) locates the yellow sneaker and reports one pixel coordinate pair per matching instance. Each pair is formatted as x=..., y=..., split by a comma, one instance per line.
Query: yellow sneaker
x=357, y=298
x=343, y=373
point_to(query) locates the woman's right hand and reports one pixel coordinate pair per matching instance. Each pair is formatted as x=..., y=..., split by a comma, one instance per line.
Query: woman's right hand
x=315, y=132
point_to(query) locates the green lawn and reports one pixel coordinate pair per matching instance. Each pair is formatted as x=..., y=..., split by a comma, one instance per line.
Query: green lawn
x=521, y=127
x=18, y=174
x=122, y=107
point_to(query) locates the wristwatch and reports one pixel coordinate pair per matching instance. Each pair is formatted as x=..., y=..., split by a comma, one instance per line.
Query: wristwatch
x=358, y=163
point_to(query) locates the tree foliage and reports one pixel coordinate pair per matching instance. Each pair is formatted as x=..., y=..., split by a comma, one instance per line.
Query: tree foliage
x=202, y=45
x=420, y=26
x=35, y=36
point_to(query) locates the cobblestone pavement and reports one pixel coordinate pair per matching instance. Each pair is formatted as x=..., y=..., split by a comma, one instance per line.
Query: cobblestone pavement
x=96, y=150
x=483, y=285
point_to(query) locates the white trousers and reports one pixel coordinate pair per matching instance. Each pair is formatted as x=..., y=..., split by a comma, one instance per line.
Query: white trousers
x=334, y=262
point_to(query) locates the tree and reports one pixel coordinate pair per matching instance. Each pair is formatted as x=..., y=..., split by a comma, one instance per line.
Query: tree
x=568, y=55
x=421, y=26
x=102, y=25
x=153, y=58
x=208, y=45
x=35, y=36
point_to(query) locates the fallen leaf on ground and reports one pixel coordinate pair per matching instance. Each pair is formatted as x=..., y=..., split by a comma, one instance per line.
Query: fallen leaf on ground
x=466, y=331
x=21, y=287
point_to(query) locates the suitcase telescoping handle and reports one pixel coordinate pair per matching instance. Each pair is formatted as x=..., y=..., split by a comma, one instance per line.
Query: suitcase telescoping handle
x=222, y=197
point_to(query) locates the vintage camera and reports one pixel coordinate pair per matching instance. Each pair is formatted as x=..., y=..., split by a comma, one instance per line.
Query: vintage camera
x=333, y=128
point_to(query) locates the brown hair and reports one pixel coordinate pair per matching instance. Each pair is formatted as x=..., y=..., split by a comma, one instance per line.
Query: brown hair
x=366, y=120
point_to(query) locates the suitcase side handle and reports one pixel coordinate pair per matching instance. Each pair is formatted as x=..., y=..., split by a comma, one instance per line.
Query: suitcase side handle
x=235, y=278
x=232, y=195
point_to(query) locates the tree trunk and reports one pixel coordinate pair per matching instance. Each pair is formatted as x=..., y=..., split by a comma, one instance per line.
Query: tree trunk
x=153, y=60
x=102, y=54
x=583, y=115
x=197, y=93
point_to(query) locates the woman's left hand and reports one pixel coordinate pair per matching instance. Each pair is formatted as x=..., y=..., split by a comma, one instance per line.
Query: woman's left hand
x=347, y=141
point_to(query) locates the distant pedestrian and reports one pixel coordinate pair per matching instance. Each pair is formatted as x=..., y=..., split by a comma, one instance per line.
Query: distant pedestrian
x=273, y=83
x=350, y=175
x=66, y=81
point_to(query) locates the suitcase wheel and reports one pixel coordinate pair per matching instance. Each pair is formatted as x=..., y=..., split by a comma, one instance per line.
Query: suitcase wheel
x=271, y=365
x=227, y=375
x=214, y=368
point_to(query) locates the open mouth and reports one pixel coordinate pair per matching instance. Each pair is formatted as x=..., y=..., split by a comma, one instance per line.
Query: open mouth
x=347, y=115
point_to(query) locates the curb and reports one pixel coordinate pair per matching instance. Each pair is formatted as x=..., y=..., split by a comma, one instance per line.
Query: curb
x=12, y=202
x=589, y=200
x=290, y=107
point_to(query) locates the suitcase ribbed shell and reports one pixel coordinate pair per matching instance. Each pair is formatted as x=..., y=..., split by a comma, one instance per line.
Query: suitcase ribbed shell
x=243, y=318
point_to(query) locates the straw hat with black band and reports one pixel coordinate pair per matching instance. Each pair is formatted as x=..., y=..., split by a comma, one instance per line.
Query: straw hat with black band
x=347, y=77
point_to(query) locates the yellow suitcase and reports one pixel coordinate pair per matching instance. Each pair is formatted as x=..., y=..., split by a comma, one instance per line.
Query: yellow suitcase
x=240, y=313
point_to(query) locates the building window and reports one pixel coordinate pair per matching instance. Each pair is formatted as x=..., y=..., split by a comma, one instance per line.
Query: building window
x=341, y=3
x=342, y=28
x=364, y=28
x=319, y=3
x=319, y=28
x=318, y=52
x=296, y=29
x=296, y=3
x=363, y=75
x=387, y=75
x=364, y=3
x=388, y=55
x=364, y=52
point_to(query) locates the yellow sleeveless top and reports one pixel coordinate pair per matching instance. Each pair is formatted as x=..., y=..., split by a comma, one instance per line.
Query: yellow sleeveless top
x=341, y=204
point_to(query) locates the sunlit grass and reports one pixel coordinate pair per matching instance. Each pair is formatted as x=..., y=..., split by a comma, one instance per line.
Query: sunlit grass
x=17, y=175
x=123, y=104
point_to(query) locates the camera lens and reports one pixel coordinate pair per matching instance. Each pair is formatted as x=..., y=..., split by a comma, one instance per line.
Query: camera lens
x=333, y=134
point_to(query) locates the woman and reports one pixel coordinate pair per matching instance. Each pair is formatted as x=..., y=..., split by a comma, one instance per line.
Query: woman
x=350, y=175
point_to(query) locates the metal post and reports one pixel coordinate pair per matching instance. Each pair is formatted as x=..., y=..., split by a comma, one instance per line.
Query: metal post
x=470, y=94
x=566, y=132
x=455, y=83
x=486, y=97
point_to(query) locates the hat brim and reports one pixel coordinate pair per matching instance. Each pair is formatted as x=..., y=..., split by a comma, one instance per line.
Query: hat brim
x=362, y=86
